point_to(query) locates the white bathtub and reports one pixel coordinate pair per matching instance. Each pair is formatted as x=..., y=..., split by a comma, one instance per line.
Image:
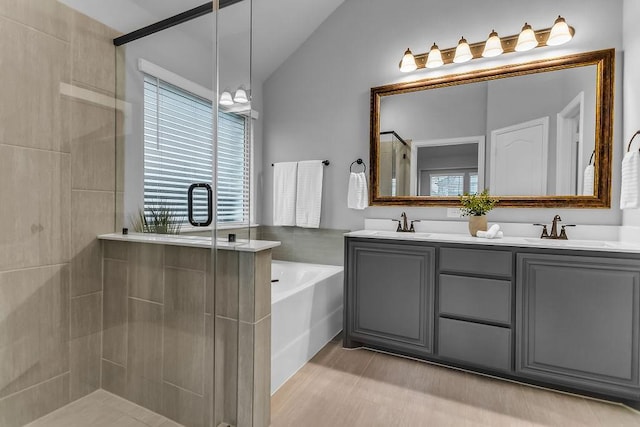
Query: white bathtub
x=306, y=312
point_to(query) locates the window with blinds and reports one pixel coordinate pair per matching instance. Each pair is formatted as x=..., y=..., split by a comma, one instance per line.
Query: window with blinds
x=178, y=151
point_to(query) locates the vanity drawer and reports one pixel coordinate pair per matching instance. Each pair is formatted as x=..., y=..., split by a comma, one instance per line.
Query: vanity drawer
x=487, y=300
x=482, y=345
x=476, y=261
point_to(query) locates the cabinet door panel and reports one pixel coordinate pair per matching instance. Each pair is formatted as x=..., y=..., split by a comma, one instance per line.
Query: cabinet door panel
x=579, y=319
x=392, y=295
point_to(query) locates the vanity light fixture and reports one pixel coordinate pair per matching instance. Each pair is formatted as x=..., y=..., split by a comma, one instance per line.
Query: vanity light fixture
x=225, y=98
x=408, y=62
x=434, y=59
x=493, y=46
x=527, y=39
x=463, y=52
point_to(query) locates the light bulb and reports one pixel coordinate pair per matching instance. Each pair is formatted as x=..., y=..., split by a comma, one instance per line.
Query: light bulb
x=527, y=39
x=493, y=46
x=434, y=59
x=225, y=98
x=408, y=62
x=560, y=33
x=241, y=96
x=463, y=52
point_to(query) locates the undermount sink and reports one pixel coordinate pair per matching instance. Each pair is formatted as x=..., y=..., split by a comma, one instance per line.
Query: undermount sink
x=401, y=235
x=574, y=243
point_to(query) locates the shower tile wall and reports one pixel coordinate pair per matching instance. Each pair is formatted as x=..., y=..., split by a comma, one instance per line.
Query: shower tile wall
x=57, y=184
x=154, y=328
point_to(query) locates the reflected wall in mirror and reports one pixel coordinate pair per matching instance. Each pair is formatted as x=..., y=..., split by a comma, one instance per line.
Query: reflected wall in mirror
x=536, y=134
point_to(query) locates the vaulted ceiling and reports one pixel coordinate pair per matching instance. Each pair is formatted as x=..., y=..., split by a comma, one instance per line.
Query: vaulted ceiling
x=279, y=26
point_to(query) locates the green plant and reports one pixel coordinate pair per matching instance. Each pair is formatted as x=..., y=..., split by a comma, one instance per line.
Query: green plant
x=159, y=219
x=477, y=204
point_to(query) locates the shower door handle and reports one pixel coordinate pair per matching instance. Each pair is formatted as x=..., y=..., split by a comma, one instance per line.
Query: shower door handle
x=192, y=220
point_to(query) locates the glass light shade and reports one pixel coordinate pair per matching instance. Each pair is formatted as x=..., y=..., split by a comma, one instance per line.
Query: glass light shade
x=463, y=52
x=527, y=39
x=408, y=62
x=225, y=98
x=434, y=60
x=560, y=33
x=241, y=96
x=493, y=46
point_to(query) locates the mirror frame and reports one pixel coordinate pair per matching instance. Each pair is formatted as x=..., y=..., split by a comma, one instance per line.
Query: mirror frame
x=604, y=60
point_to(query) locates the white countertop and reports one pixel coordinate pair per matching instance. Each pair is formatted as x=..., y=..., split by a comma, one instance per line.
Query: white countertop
x=532, y=242
x=242, y=245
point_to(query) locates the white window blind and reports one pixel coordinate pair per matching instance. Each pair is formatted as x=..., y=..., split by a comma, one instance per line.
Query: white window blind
x=178, y=151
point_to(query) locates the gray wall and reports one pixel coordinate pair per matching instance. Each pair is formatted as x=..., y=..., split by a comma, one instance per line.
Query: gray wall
x=316, y=105
x=631, y=88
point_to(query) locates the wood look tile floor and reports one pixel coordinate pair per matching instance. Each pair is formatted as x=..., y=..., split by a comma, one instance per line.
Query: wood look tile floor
x=103, y=409
x=355, y=388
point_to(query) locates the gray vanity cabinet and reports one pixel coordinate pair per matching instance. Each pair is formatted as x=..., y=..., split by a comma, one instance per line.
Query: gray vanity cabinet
x=390, y=295
x=579, y=322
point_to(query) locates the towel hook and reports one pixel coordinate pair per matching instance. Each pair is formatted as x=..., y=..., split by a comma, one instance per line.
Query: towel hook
x=593, y=153
x=360, y=162
x=631, y=140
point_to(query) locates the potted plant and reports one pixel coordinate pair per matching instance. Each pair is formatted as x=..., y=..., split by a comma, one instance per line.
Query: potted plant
x=476, y=206
x=160, y=219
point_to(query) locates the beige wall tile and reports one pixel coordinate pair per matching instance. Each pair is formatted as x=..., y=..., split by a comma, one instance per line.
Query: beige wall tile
x=184, y=329
x=254, y=373
x=114, y=335
x=254, y=285
x=226, y=371
x=34, y=330
x=48, y=16
x=210, y=289
x=184, y=257
x=86, y=344
x=226, y=284
x=93, y=53
x=144, y=354
x=114, y=378
x=209, y=362
x=93, y=150
x=32, y=403
x=92, y=213
x=85, y=364
x=35, y=189
x=116, y=250
x=182, y=406
x=33, y=112
x=145, y=271
x=86, y=315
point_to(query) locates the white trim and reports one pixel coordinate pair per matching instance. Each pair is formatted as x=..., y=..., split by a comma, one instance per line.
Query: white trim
x=480, y=140
x=564, y=159
x=175, y=79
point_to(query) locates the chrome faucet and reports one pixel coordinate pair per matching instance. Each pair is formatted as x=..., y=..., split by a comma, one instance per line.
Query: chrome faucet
x=554, y=230
x=403, y=227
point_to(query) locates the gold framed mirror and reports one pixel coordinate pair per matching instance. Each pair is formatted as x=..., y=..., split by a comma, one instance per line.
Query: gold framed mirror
x=538, y=134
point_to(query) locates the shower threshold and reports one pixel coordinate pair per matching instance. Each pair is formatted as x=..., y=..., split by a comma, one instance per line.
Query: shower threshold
x=103, y=409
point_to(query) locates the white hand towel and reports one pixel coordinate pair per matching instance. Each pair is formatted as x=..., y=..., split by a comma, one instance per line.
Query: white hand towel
x=630, y=188
x=309, y=193
x=285, y=176
x=358, y=195
x=588, y=180
x=484, y=235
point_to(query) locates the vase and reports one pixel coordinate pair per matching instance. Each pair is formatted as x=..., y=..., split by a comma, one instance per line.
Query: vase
x=477, y=223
